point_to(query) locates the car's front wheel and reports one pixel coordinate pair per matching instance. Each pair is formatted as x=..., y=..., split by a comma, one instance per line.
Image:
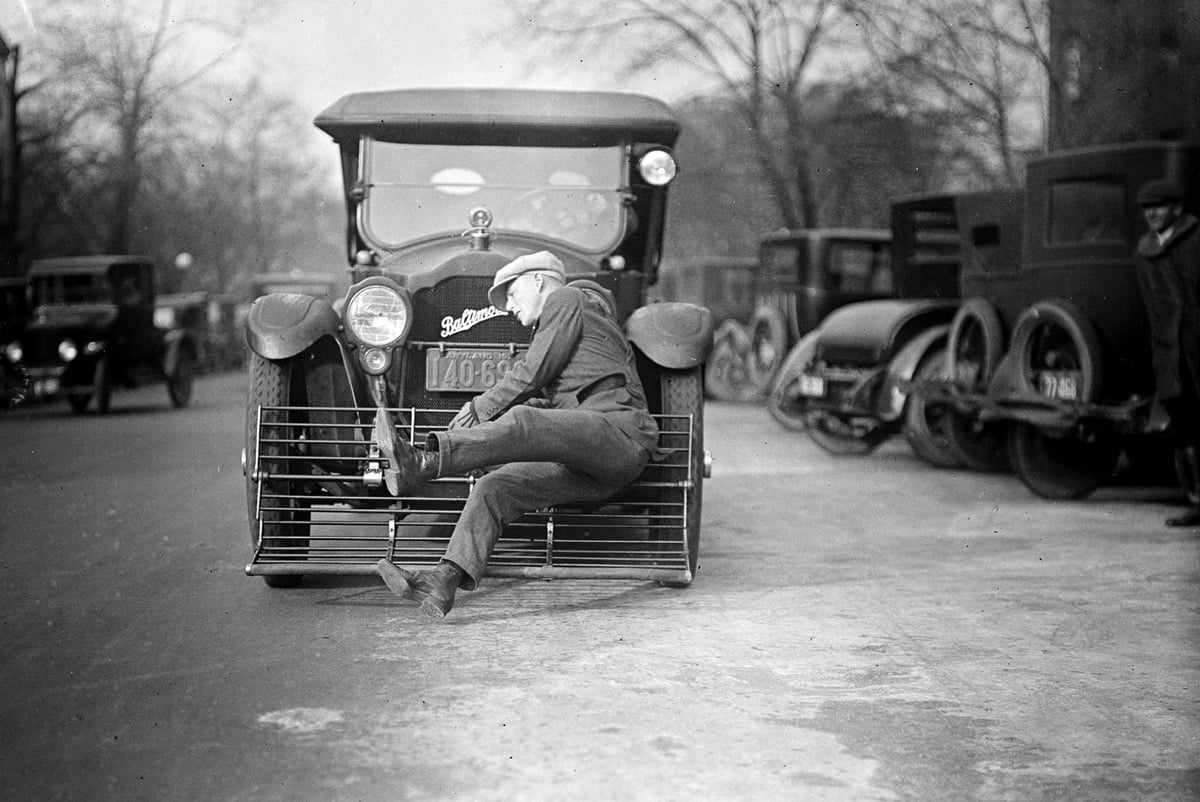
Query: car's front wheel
x=180, y=382
x=283, y=520
x=844, y=435
x=926, y=424
x=683, y=399
x=102, y=385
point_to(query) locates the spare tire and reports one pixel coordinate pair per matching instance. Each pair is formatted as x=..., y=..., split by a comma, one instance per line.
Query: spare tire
x=1057, y=352
x=975, y=345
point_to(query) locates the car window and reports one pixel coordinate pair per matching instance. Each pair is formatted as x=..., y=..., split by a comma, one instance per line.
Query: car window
x=781, y=263
x=1086, y=210
x=859, y=267
x=571, y=194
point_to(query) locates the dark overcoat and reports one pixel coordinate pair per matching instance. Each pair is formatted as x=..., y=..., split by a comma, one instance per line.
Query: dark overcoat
x=1169, y=277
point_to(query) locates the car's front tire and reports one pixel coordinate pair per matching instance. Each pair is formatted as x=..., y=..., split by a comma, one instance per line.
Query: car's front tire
x=683, y=394
x=181, y=381
x=285, y=525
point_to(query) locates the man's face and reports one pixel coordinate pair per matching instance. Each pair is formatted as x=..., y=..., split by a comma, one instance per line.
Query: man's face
x=1162, y=216
x=525, y=299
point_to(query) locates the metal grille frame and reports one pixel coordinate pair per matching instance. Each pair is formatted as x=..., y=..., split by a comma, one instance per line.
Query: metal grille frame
x=319, y=508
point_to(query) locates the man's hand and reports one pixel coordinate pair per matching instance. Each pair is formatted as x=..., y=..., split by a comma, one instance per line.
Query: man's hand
x=466, y=417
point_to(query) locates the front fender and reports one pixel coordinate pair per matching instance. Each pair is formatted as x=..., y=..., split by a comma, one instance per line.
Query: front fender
x=673, y=335
x=284, y=324
x=903, y=368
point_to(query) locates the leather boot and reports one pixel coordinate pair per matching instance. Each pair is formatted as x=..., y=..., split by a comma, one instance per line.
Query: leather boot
x=433, y=588
x=407, y=468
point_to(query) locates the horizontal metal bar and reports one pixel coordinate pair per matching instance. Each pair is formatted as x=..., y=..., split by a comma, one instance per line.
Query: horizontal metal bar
x=498, y=571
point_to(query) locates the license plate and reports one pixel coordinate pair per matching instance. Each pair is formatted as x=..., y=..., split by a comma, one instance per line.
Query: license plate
x=45, y=387
x=1063, y=386
x=812, y=386
x=467, y=370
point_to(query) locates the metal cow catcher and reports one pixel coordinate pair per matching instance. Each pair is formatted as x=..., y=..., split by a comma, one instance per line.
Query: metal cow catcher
x=443, y=187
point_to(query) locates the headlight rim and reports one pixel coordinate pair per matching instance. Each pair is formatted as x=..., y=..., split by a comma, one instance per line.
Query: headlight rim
x=404, y=298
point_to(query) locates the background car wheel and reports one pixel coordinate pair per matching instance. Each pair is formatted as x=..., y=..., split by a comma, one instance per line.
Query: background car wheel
x=979, y=446
x=102, y=385
x=1061, y=468
x=926, y=424
x=974, y=349
x=179, y=383
x=768, y=346
x=844, y=437
x=726, y=376
x=79, y=402
x=784, y=401
x=683, y=394
x=1054, y=336
x=286, y=525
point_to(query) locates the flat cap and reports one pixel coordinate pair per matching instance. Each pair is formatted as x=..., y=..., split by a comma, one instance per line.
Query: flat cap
x=539, y=262
x=1159, y=192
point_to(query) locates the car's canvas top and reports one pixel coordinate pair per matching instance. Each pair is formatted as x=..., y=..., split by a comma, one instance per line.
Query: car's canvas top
x=511, y=116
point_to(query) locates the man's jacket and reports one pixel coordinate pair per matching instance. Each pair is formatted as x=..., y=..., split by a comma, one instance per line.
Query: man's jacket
x=1169, y=277
x=578, y=359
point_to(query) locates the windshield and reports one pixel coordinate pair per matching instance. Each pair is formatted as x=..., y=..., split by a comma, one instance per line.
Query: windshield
x=569, y=194
x=70, y=288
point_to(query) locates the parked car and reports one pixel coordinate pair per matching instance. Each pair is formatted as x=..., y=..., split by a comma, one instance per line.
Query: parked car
x=846, y=382
x=444, y=187
x=211, y=320
x=14, y=312
x=92, y=330
x=1055, y=352
x=801, y=276
x=725, y=285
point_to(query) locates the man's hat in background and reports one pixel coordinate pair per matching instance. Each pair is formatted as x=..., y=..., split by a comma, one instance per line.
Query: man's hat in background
x=1159, y=192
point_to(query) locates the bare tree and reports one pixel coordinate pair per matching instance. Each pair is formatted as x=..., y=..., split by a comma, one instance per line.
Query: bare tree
x=120, y=79
x=10, y=178
x=760, y=55
x=980, y=64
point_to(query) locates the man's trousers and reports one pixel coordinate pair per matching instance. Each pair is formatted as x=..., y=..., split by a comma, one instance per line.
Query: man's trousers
x=546, y=457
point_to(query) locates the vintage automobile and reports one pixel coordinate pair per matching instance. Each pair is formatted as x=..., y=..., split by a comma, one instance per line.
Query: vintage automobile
x=725, y=285
x=14, y=311
x=801, y=277
x=443, y=187
x=92, y=330
x=846, y=382
x=1065, y=329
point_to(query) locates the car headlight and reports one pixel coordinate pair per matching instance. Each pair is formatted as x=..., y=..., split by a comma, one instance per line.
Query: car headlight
x=93, y=347
x=67, y=350
x=657, y=168
x=378, y=315
x=14, y=352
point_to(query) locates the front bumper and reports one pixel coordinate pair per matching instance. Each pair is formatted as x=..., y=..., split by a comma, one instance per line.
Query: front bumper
x=316, y=507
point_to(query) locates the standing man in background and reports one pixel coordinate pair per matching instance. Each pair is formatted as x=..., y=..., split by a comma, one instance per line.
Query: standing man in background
x=1168, y=273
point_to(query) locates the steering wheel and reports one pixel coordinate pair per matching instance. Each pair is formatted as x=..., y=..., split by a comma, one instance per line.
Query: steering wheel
x=554, y=213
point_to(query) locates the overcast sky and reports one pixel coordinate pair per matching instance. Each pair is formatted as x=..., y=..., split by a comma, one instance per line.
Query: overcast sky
x=319, y=50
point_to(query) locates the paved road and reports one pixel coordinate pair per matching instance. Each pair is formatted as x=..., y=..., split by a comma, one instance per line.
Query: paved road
x=863, y=629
